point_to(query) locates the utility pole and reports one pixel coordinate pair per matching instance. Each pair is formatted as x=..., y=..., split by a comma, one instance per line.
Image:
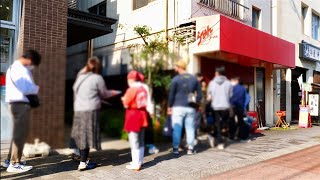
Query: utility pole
x=166, y=20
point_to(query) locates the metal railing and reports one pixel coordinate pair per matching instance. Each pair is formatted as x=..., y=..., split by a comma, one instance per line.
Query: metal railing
x=89, y=18
x=72, y=4
x=227, y=7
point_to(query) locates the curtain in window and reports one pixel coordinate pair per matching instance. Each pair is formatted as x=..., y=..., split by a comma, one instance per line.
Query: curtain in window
x=315, y=27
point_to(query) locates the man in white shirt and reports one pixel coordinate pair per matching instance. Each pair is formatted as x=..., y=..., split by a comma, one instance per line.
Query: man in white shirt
x=19, y=83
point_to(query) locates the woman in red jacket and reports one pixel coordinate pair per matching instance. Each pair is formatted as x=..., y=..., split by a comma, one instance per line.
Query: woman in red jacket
x=135, y=102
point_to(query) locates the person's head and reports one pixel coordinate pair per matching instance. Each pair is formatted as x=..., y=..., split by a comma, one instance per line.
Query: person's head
x=93, y=65
x=30, y=58
x=199, y=77
x=141, y=77
x=133, y=76
x=220, y=71
x=180, y=66
x=235, y=80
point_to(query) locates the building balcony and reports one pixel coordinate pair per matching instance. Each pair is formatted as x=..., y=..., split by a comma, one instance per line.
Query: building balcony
x=228, y=7
x=83, y=26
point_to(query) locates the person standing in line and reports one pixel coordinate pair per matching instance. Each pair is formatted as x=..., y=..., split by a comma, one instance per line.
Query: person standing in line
x=149, y=132
x=199, y=120
x=238, y=101
x=19, y=84
x=219, y=93
x=182, y=86
x=89, y=90
x=135, y=102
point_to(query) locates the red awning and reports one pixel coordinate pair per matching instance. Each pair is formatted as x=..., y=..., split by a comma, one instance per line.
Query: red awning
x=239, y=43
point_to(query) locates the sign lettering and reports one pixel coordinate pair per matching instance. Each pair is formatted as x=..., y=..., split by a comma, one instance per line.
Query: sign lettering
x=205, y=35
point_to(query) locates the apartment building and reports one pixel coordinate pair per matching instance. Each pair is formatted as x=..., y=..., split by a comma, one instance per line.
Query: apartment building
x=297, y=22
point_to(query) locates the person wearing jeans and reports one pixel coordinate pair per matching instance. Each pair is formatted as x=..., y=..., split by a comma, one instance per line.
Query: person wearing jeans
x=182, y=115
x=182, y=86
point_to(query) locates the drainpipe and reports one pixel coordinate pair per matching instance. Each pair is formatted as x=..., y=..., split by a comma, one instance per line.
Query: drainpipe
x=90, y=48
x=166, y=20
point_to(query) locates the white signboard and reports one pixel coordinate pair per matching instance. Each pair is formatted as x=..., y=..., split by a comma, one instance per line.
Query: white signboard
x=314, y=104
x=207, y=34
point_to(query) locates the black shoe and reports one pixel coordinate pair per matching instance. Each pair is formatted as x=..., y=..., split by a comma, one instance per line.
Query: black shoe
x=175, y=151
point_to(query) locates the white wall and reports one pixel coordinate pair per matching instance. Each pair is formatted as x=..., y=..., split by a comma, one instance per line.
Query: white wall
x=290, y=25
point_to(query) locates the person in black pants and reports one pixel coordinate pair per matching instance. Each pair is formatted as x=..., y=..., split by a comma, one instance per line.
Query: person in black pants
x=237, y=101
x=219, y=93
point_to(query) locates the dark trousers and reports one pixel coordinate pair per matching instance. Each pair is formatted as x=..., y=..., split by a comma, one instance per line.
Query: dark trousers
x=236, y=121
x=20, y=115
x=221, y=118
x=149, y=132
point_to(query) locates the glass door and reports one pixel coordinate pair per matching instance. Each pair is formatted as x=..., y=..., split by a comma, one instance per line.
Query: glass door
x=260, y=96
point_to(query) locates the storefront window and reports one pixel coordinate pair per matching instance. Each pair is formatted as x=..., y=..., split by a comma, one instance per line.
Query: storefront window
x=6, y=47
x=6, y=10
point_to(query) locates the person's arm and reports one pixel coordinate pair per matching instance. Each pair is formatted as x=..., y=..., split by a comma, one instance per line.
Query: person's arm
x=25, y=83
x=172, y=93
x=233, y=98
x=128, y=97
x=103, y=91
x=209, y=94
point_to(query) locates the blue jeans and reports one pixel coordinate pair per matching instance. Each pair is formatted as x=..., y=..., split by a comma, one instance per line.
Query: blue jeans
x=183, y=116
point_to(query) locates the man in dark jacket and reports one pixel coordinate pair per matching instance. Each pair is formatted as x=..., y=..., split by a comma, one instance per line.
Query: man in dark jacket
x=182, y=113
x=237, y=102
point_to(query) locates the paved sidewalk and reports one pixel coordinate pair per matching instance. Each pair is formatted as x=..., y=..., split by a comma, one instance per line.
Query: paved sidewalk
x=207, y=162
x=304, y=164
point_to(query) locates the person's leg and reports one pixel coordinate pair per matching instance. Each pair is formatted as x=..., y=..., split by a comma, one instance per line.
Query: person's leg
x=21, y=116
x=10, y=151
x=190, y=127
x=217, y=124
x=177, y=119
x=149, y=137
x=240, y=114
x=141, y=145
x=232, y=125
x=134, y=145
x=84, y=153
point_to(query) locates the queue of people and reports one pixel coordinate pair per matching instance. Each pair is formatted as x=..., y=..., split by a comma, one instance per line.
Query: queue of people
x=188, y=96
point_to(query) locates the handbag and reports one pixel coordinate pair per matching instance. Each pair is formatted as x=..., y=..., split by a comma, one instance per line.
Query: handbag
x=34, y=100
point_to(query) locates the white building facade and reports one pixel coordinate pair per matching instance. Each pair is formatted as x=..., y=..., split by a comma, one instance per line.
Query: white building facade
x=258, y=75
x=298, y=22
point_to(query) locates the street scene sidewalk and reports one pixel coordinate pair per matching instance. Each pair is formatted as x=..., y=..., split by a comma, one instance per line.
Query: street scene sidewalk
x=304, y=164
x=205, y=164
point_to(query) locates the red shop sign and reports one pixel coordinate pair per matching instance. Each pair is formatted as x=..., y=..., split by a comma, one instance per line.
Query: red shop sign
x=205, y=35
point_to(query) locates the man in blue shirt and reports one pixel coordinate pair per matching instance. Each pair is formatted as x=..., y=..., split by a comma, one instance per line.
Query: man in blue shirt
x=182, y=111
x=237, y=101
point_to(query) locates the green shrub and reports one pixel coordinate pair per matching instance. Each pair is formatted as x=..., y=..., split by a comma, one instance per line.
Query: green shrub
x=111, y=122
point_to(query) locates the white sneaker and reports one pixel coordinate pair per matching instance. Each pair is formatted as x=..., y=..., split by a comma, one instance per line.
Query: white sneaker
x=7, y=163
x=82, y=166
x=220, y=146
x=18, y=168
x=211, y=140
x=153, y=150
